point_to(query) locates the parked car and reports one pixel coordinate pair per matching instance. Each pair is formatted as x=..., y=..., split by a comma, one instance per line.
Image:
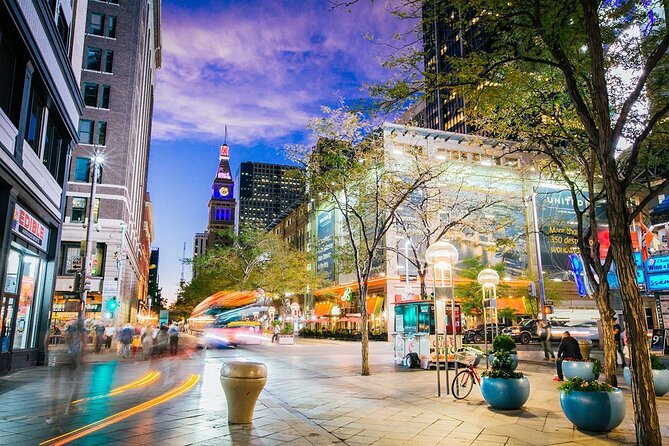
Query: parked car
x=583, y=330
x=525, y=332
x=475, y=335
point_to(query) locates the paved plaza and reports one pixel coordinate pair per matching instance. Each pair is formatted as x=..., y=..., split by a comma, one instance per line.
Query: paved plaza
x=314, y=396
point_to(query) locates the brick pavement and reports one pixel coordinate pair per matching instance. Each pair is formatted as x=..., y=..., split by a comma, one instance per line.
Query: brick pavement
x=314, y=396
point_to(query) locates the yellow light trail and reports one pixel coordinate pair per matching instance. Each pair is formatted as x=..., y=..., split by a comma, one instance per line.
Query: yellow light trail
x=120, y=416
x=148, y=378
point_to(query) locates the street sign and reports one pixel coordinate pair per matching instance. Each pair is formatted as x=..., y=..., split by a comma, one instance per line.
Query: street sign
x=657, y=341
x=549, y=302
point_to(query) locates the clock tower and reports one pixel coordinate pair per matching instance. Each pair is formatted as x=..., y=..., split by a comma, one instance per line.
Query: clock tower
x=221, y=203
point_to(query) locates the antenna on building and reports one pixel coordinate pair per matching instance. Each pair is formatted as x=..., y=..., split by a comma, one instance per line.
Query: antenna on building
x=225, y=137
x=183, y=265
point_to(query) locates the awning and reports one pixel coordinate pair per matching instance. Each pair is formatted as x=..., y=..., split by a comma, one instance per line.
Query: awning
x=374, y=305
x=322, y=308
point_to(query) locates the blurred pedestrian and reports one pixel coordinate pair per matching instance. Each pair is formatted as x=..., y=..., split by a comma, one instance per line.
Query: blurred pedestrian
x=568, y=349
x=127, y=333
x=174, y=338
x=617, y=335
x=97, y=342
x=147, y=342
x=160, y=344
x=109, y=335
x=545, y=338
x=276, y=330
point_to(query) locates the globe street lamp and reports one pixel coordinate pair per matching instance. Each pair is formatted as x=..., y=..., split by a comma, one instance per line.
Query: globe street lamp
x=442, y=256
x=489, y=279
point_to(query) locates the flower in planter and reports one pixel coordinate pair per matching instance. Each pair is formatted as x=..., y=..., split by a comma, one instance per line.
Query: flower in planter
x=579, y=384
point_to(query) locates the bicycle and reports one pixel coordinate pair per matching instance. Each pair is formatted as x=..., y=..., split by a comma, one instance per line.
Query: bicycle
x=463, y=383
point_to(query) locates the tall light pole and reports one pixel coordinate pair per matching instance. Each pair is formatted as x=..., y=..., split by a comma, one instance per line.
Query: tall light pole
x=407, y=289
x=443, y=255
x=87, y=263
x=488, y=278
x=540, y=267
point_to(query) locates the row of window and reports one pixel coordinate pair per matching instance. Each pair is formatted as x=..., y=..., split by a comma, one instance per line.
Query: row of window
x=71, y=258
x=102, y=25
x=78, y=211
x=96, y=95
x=87, y=134
x=82, y=170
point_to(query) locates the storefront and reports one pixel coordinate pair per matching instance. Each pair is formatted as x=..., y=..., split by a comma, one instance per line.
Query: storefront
x=25, y=299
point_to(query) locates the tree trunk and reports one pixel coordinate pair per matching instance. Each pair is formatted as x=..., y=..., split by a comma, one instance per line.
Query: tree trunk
x=643, y=389
x=423, y=287
x=607, y=341
x=364, y=329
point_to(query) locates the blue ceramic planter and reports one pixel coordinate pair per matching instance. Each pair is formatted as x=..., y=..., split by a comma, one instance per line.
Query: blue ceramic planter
x=580, y=369
x=505, y=394
x=594, y=411
x=491, y=358
x=660, y=378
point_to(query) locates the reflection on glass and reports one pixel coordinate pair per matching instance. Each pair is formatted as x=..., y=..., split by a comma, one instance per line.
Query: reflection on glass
x=12, y=276
x=36, y=311
x=29, y=271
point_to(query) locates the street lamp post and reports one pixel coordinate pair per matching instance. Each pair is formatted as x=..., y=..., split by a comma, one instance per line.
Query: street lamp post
x=540, y=267
x=407, y=289
x=489, y=279
x=87, y=263
x=443, y=255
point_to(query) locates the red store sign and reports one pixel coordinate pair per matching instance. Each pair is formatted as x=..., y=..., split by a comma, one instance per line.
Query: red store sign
x=30, y=228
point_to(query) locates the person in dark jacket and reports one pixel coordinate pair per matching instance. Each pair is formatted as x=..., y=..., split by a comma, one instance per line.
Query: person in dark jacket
x=568, y=349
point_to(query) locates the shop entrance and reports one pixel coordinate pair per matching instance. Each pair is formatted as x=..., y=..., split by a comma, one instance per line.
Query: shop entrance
x=19, y=311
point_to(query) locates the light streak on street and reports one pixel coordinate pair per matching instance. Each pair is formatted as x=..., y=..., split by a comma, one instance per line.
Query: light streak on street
x=148, y=378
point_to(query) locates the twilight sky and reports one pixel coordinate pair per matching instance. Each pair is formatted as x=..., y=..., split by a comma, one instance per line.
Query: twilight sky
x=263, y=67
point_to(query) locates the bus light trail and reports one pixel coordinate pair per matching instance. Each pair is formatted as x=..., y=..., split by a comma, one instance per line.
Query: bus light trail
x=120, y=416
x=148, y=378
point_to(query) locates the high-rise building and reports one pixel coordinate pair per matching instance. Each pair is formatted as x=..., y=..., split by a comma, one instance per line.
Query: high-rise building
x=40, y=104
x=200, y=245
x=264, y=192
x=121, y=55
x=154, y=280
x=444, y=38
x=222, y=201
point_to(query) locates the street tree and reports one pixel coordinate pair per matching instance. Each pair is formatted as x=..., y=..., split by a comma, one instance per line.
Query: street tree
x=350, y=170
x=587, y=77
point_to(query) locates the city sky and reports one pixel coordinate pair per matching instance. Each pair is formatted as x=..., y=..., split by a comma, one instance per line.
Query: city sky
x=263, y=68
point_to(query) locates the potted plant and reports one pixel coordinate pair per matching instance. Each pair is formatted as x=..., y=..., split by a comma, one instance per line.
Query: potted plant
x=507, y=344
x=501, y=386
x=286, y=337
x=591, y=405
x=586, y=369
x=660, y=376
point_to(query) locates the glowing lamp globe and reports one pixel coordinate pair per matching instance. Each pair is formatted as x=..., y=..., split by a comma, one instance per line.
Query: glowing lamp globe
x=442, y=255
x=488, y=278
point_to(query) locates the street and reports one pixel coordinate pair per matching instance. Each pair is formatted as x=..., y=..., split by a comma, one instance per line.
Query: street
x=314, y=396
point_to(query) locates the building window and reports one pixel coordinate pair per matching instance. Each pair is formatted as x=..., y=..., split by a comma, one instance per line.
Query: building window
x=71, y=259
x=102, y=133
x=82, y=168
x=109, y=61
x=85, y=131
x=90, y=92
x=7, y=71
x=96, y=26
x=111, y=26
x=54, y=146
x=63, y=28
x=35, y=117
x=78, y=212
x=104, y=97
x=93, y=58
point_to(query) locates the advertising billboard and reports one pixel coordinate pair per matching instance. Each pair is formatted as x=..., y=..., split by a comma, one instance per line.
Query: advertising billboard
x=326, y=244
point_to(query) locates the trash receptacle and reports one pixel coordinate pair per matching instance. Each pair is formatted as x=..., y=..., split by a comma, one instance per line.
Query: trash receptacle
x=585, y=345
x=242, y=382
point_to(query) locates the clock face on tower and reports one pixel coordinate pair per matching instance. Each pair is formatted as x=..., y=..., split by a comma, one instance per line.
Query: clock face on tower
x=224, y=191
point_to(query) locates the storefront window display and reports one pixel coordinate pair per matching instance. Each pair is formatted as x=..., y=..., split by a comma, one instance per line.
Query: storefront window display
x=29, y=273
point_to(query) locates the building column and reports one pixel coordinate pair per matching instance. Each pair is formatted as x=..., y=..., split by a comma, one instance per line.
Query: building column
x=23, y=117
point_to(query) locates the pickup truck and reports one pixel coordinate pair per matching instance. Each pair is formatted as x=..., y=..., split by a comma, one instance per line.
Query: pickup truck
x=525, y=332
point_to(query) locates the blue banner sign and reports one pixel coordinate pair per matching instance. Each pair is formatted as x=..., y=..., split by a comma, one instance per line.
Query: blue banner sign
x=658, y=282
x=657, y=265
x=577, y=267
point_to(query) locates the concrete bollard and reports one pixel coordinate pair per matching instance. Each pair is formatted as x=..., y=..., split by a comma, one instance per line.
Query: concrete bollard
x=242, y=382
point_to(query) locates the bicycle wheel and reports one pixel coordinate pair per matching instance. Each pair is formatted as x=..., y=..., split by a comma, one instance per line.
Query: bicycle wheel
x=462, y=384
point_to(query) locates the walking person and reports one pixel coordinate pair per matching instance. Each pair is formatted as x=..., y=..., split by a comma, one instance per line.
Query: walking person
x=127, y=333
x=147, y=343
x=99, y=333
x=568, y=349
x=277, y=330
x=161, y=340
x=617, y=335
x=545, y=338
x=174, y=338
x=109, y=335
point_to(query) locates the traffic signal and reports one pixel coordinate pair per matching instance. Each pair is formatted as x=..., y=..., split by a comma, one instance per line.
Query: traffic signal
x=548, y=309
x=112, y=305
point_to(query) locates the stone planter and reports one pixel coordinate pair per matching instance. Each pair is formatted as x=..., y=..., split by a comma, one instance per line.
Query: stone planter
x=505, y=394
x=286, y=339
x=579, y=369
x=594, y=411
x=242, y=383
x=660, y=378
x=491, y=358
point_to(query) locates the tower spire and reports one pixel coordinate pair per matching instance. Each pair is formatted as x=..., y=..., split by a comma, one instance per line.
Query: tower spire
x=225, y=138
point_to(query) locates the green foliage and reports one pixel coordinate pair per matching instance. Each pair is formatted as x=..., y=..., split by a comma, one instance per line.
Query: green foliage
x=287, y=329
x=469, y=294
x=656, y=363
x=580, y=385
x=506, y=314
x=503, y=343
x=502, y=367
